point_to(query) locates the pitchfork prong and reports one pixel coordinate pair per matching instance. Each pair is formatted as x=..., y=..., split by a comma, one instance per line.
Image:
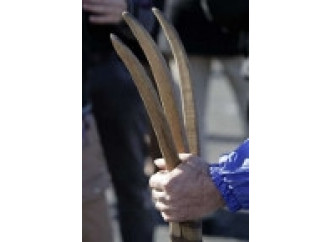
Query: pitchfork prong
x=189, y=231
x=163, y=79
x=151, y=102
x=187, y=92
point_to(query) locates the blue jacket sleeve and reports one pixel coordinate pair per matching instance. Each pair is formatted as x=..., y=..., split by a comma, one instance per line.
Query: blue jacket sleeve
x=231, y=177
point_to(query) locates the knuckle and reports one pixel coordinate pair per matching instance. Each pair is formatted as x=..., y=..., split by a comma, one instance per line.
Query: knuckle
x=165, y=217
x=158, y=206
x=169, y=198
x=168, y=185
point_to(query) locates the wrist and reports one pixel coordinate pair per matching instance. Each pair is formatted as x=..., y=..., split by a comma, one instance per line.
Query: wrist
x=214, y=193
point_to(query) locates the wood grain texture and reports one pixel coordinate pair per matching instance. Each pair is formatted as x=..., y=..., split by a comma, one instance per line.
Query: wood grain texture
x=151, y=102
x=187, y=92
x=186, y=231
x=163, y=79
x=167, y=124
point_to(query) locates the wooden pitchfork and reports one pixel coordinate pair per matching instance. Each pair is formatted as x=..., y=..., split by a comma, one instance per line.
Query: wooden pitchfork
x=173, y=135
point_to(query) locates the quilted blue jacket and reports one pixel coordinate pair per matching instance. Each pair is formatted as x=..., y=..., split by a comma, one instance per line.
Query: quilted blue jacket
x=231, y=177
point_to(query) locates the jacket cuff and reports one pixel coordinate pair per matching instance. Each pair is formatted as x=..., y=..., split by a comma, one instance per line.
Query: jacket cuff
x=231, y=177
x=226, y=192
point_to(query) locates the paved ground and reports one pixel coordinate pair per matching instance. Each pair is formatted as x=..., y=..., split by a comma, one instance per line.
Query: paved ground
x=224, y=132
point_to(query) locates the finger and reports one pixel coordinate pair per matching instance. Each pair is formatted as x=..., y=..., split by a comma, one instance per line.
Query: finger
x=159, y=196
x=169, y=216
x=172, y=215
x=105, y=19
x=162, y=207
x=112, y=3
x=160, y=163
x=102, y=9
x=94, y=1
x=165, y=216
x=158, y=180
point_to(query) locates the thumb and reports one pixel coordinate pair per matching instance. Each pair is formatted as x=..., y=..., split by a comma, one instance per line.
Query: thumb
x=160, y=163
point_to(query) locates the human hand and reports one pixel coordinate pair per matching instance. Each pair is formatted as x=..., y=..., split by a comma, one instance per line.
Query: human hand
x=185, y=193
x=105, y=11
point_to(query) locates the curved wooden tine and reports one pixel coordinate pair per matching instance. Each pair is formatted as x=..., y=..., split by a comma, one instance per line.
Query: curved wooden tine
x=163, y=78
x=179, y=232
x=187, y=92
x=189, y=112
x=151, y=102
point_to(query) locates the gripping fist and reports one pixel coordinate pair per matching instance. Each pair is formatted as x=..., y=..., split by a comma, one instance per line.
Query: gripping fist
x=185, y=193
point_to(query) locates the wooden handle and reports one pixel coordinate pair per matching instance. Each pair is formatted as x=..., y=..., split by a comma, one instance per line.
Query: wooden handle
x=186, y=231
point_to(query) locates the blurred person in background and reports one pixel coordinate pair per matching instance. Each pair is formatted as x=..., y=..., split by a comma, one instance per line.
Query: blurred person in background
x=96, y=221
x=213, y=30
x=118, y=110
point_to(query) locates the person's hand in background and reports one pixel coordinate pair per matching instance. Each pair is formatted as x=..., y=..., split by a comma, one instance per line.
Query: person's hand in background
x=105, y=11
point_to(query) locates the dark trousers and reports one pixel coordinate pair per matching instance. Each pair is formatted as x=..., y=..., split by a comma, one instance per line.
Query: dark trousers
x=122, y=124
